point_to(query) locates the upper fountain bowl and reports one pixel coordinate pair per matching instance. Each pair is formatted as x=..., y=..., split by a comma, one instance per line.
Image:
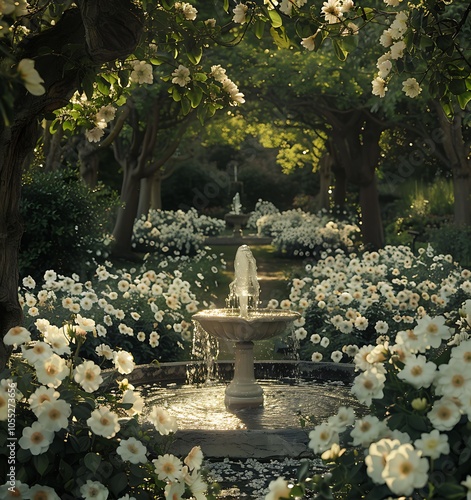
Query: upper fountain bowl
x=260, y=324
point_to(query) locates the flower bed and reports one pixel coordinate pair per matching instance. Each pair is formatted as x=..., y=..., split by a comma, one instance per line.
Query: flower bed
x=300, y=234
x=175, y=232
x=143, y=310
x=349, y=301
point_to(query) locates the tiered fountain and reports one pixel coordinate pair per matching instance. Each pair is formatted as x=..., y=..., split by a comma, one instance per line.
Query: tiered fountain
x=236, y=217
x=243, y=323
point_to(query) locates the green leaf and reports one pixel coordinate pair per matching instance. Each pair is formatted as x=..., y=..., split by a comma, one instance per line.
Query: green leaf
x=41, y=463
x=195, y=55
x=118, y=483
x=200, y=77
x=66, y=471
x=444, y=42
x=280, y=38
x=457, y=86
x=259, y=28
x=92, y=461
x=339, y=51
x=176, y=94
x=195, y=95
x=464, y=98
x=186, y=105
x=226, y=5
x=275, y=18
x=450, y=491
x=303, y=471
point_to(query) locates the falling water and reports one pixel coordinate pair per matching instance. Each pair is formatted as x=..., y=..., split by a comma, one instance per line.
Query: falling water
x=205, y=348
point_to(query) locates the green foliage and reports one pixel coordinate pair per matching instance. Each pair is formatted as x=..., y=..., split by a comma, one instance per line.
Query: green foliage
x=452, y=239
x=64, y=223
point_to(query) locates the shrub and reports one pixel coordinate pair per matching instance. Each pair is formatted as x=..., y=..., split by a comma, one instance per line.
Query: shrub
x=64, y=223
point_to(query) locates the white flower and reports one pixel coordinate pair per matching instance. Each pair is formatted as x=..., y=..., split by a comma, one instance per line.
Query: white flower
x=467, y=484
x=405, y=470
x=188, y=11
x=397, y=49
x=53, y=415
x=142, y=73
x=14, y=490
x=52, y=371
x=105, y=351
x=86, y=324
x=444, y=414
x=381, y=327
x=88, y=376
x=168, y=467
x=379, y=87
x=163, y=421
x=123, y=362
x=94, y=490
x=194, y=459
x=41, y=492
x=181, y=76
x=411, y=87
x=322, y=437
x=332, y=10
x=433, y=444
x=131, y=397
x=237, y=97
x=369, y=385
x=38, y=351
x=16, y=336
x=453, y=380
x=367, y=430
x=94, y=134
x=31, y=78
x=345, y=416
x=377, y=456
x=106, y=113
x=433, y=330
x=40, y=396
x=336, y=356
x=240, y=13
x=36, y=439
x=316, y=357
x=132, y=450
x=418, y=372
x=309, y=42
x=103, y=422
x=279, y=488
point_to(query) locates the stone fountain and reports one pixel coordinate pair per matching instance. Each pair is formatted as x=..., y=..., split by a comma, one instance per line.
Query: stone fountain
x=236, y=217
x=244, y=323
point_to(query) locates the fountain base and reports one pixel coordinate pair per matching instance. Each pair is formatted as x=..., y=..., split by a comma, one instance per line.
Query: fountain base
x=243, y=391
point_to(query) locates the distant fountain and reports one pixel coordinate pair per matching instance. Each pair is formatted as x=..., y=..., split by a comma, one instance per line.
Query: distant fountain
x=243, y=323
x=235, y=217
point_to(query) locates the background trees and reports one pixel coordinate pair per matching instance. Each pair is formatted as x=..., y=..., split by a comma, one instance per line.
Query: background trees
x=53, y=49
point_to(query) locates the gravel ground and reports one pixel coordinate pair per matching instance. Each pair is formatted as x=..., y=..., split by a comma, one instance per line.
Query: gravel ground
x=250, y=478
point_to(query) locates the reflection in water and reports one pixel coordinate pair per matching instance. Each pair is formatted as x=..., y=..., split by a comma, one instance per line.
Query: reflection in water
x=202, y=407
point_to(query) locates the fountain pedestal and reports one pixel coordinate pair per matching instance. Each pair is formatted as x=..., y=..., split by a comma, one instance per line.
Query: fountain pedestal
x=260, y=324
x=243, y=391
x=237, y=221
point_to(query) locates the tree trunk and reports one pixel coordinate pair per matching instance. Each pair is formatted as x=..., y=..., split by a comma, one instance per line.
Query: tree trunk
x=457, y=154
x=325, y=165
x=104, y=43
x=156, y=192
x=358, y=152
x=371, y=223
x=88, y=161
x=15, y=144
x=123, y=229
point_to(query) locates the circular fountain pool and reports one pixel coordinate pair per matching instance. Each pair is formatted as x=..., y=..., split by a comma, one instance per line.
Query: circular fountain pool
x=286, y=401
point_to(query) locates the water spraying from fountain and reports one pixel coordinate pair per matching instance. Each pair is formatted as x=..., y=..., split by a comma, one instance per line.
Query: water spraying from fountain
x=243, y=323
